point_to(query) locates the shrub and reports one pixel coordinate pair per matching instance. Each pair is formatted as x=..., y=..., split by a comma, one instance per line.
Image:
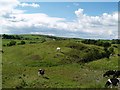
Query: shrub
x=31, y=42
x=11, y=43
x=92, y=54
x=76, y=46
x=22, y=42
x=111, y=50
x=106, y=44
x=4, y=45
x=107, y=53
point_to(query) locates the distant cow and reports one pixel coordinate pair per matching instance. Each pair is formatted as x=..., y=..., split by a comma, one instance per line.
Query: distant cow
x=41, y=72
x=117, y=74
x=58, y=49
x=110, y=72
x=112, y=82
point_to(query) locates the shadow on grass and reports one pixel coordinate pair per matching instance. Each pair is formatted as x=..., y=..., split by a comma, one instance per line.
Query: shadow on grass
x=45, y=77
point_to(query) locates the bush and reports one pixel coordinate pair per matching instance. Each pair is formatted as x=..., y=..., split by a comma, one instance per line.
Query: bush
x=4, y=45
x=86, y=55
x=31, y=42
x=92, y=54
x=111, y=50
x=11, y=43
x=107, y=54
x=106, y=44
x=99, y=43
x=76, y=46
x=22, y=42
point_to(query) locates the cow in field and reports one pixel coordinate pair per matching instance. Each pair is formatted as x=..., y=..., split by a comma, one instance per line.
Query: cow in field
x=110, y=72
x=117, y=74
x=112, y=82
x=41, y=72
x=58, y=49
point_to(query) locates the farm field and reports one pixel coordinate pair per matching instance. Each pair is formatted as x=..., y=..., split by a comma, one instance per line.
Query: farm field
x=63, y=69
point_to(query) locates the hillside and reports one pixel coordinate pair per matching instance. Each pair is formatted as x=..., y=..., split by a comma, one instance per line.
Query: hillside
x=75, y=66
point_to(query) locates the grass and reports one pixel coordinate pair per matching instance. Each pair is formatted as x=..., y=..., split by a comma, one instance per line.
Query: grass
x=21, y=63
x=104, y=64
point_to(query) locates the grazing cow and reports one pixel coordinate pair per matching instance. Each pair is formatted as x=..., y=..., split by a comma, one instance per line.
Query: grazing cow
x=110, y=72
x=112, y=82
x=58, y=49
x=41, y=72
x=117, y=74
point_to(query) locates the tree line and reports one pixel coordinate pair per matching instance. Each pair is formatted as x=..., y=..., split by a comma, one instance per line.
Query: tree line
x=100, y=42
x=5, y=36
x=97, y=42
x=12, y=43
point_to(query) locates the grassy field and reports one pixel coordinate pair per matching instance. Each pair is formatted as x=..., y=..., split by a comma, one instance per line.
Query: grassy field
x=20, y=64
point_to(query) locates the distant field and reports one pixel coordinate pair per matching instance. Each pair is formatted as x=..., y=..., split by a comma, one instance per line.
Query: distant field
x=65, y=69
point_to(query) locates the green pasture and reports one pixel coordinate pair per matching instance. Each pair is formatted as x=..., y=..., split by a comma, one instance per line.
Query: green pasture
x=20, y=64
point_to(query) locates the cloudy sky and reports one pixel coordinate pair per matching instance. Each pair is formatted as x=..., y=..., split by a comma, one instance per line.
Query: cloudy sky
x=96, y=20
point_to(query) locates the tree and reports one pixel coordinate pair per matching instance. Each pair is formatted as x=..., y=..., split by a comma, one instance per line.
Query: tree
x=99, y=43
x=106, y=44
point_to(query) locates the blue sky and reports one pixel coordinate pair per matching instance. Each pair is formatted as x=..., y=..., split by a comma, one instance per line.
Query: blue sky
x=66, y=9
x=69, y=0
x=95, y=20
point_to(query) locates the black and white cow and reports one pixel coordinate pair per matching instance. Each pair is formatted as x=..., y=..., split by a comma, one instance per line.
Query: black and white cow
x=110, y=72
x=112, y=82
x=41, y=72
x=117, y=74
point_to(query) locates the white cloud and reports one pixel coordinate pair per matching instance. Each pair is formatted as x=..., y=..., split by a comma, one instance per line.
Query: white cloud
x=8, y=3
x=105, y=19
x=50, y=34
x=29, y=5
x=104, y=25
x=16, y=21
x=7, y=6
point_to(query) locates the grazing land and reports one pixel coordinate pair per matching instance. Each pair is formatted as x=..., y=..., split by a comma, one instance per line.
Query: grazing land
x=77, y=65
